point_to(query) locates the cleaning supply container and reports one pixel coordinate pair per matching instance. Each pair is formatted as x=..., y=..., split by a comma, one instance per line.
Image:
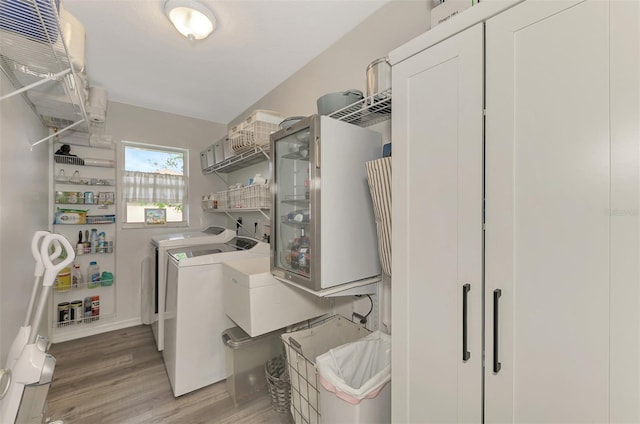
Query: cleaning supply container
x=93, y=275
x=245, y=357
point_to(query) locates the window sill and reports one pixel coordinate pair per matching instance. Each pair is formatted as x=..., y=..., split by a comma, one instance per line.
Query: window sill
x=143, y=226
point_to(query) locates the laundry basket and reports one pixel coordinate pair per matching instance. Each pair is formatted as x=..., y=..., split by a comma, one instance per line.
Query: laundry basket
x=301, y=349
x=277, y=374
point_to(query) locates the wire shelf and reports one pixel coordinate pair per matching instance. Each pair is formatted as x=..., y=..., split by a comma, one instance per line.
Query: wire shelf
x=254, y=155
x=369, y=111
x=35, y=58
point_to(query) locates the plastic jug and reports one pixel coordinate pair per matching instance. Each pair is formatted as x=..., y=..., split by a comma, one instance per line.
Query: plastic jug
x=93, y=275
x=77, y=279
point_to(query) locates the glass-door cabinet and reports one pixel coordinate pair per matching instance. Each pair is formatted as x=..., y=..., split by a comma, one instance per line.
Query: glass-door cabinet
x=321, y=203
x=293, y=160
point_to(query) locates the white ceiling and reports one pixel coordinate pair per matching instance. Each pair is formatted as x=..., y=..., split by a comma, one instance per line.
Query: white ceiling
x=137, y=55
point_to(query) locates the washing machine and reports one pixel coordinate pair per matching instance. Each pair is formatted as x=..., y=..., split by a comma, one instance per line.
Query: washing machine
x=154, y=289
x=194, y=354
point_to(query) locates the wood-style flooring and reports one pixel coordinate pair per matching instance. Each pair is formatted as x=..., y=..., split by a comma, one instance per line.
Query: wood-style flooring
x=119, y=377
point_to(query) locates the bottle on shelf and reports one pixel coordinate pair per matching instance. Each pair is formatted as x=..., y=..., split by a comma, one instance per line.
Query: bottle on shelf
x=304, y=256
x=93, y=275
x=77, y=279
x=295, y=249
x=93, y=240
x=101, y=242
x=95, y=308
x=80, y=244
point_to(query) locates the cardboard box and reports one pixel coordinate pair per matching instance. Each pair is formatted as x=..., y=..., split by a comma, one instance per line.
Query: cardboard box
x=448, y=9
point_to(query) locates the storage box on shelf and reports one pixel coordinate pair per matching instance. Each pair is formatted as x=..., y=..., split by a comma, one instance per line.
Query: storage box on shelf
x=257, y=196
x=247, y=143
x=254, y=130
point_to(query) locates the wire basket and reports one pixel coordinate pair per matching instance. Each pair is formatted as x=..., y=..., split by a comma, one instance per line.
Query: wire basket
x=302, y=348
x=251, y=134
x=100, y=219
x=277, y=373
x=68, y=160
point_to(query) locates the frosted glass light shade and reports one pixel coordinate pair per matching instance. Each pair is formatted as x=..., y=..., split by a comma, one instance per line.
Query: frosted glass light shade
x=191, y=19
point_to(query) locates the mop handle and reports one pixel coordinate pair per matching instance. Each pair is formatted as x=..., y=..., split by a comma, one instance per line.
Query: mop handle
x=35, y=251
x=51, y=271
x=39, y=269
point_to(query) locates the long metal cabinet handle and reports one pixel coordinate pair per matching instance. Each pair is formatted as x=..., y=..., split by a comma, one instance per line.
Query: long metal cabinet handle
x=465, y=304
x=317, y=147
x=496, y=363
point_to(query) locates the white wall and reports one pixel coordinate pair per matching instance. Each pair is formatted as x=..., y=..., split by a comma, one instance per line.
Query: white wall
x=23, y=208
x=343, y=65
x=136, y=124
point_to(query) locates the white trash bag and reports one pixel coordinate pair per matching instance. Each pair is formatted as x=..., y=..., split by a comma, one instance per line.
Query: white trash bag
x=357, y=370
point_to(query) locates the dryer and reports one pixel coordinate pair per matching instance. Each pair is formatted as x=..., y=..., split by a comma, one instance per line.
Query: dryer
x=194, y=354
x=153, y=297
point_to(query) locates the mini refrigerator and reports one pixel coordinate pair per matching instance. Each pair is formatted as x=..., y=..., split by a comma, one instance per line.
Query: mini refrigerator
x=322, y=220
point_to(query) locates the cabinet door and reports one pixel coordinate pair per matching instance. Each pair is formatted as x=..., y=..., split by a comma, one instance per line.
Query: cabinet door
x=437, y=232
x=548, y=226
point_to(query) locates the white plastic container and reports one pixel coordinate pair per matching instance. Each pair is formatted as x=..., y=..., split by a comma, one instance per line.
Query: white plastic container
x=259, y=303
x=93, y=275
x=77, y=279
x=207, y=158
x=355, y=381
x=368, y=411
x=245, y=358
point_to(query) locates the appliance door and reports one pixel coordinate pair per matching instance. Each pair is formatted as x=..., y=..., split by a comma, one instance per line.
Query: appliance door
x=294, y=220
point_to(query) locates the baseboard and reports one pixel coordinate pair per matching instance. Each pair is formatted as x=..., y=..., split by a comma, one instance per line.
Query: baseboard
x=94, y=329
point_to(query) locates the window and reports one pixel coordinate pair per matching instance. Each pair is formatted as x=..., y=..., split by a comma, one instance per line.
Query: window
x=155, y=177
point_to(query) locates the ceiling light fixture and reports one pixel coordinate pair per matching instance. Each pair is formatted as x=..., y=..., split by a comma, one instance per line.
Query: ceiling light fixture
x=191, y=19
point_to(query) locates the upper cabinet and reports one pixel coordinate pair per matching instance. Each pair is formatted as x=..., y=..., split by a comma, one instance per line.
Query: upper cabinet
x=42, y=54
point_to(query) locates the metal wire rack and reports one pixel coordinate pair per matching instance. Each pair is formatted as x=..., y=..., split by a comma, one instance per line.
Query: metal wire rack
x=369, y=111
x=35, y=58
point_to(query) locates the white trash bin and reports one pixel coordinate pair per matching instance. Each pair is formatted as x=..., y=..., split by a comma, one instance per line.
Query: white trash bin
x=356, y=381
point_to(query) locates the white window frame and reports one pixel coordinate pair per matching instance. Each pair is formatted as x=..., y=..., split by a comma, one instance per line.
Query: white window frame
x=185, y=201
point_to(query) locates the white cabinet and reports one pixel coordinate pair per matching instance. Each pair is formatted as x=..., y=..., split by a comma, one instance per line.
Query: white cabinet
x=437, y=189
x=556, y=265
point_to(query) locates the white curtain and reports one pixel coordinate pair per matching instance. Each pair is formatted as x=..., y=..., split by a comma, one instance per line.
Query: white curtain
x=151, y=187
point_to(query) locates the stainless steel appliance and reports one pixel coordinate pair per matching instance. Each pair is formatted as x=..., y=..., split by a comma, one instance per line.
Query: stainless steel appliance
x=323, y=227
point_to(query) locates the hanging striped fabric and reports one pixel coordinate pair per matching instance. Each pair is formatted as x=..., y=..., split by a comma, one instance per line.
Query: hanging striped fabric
x=379, y=178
